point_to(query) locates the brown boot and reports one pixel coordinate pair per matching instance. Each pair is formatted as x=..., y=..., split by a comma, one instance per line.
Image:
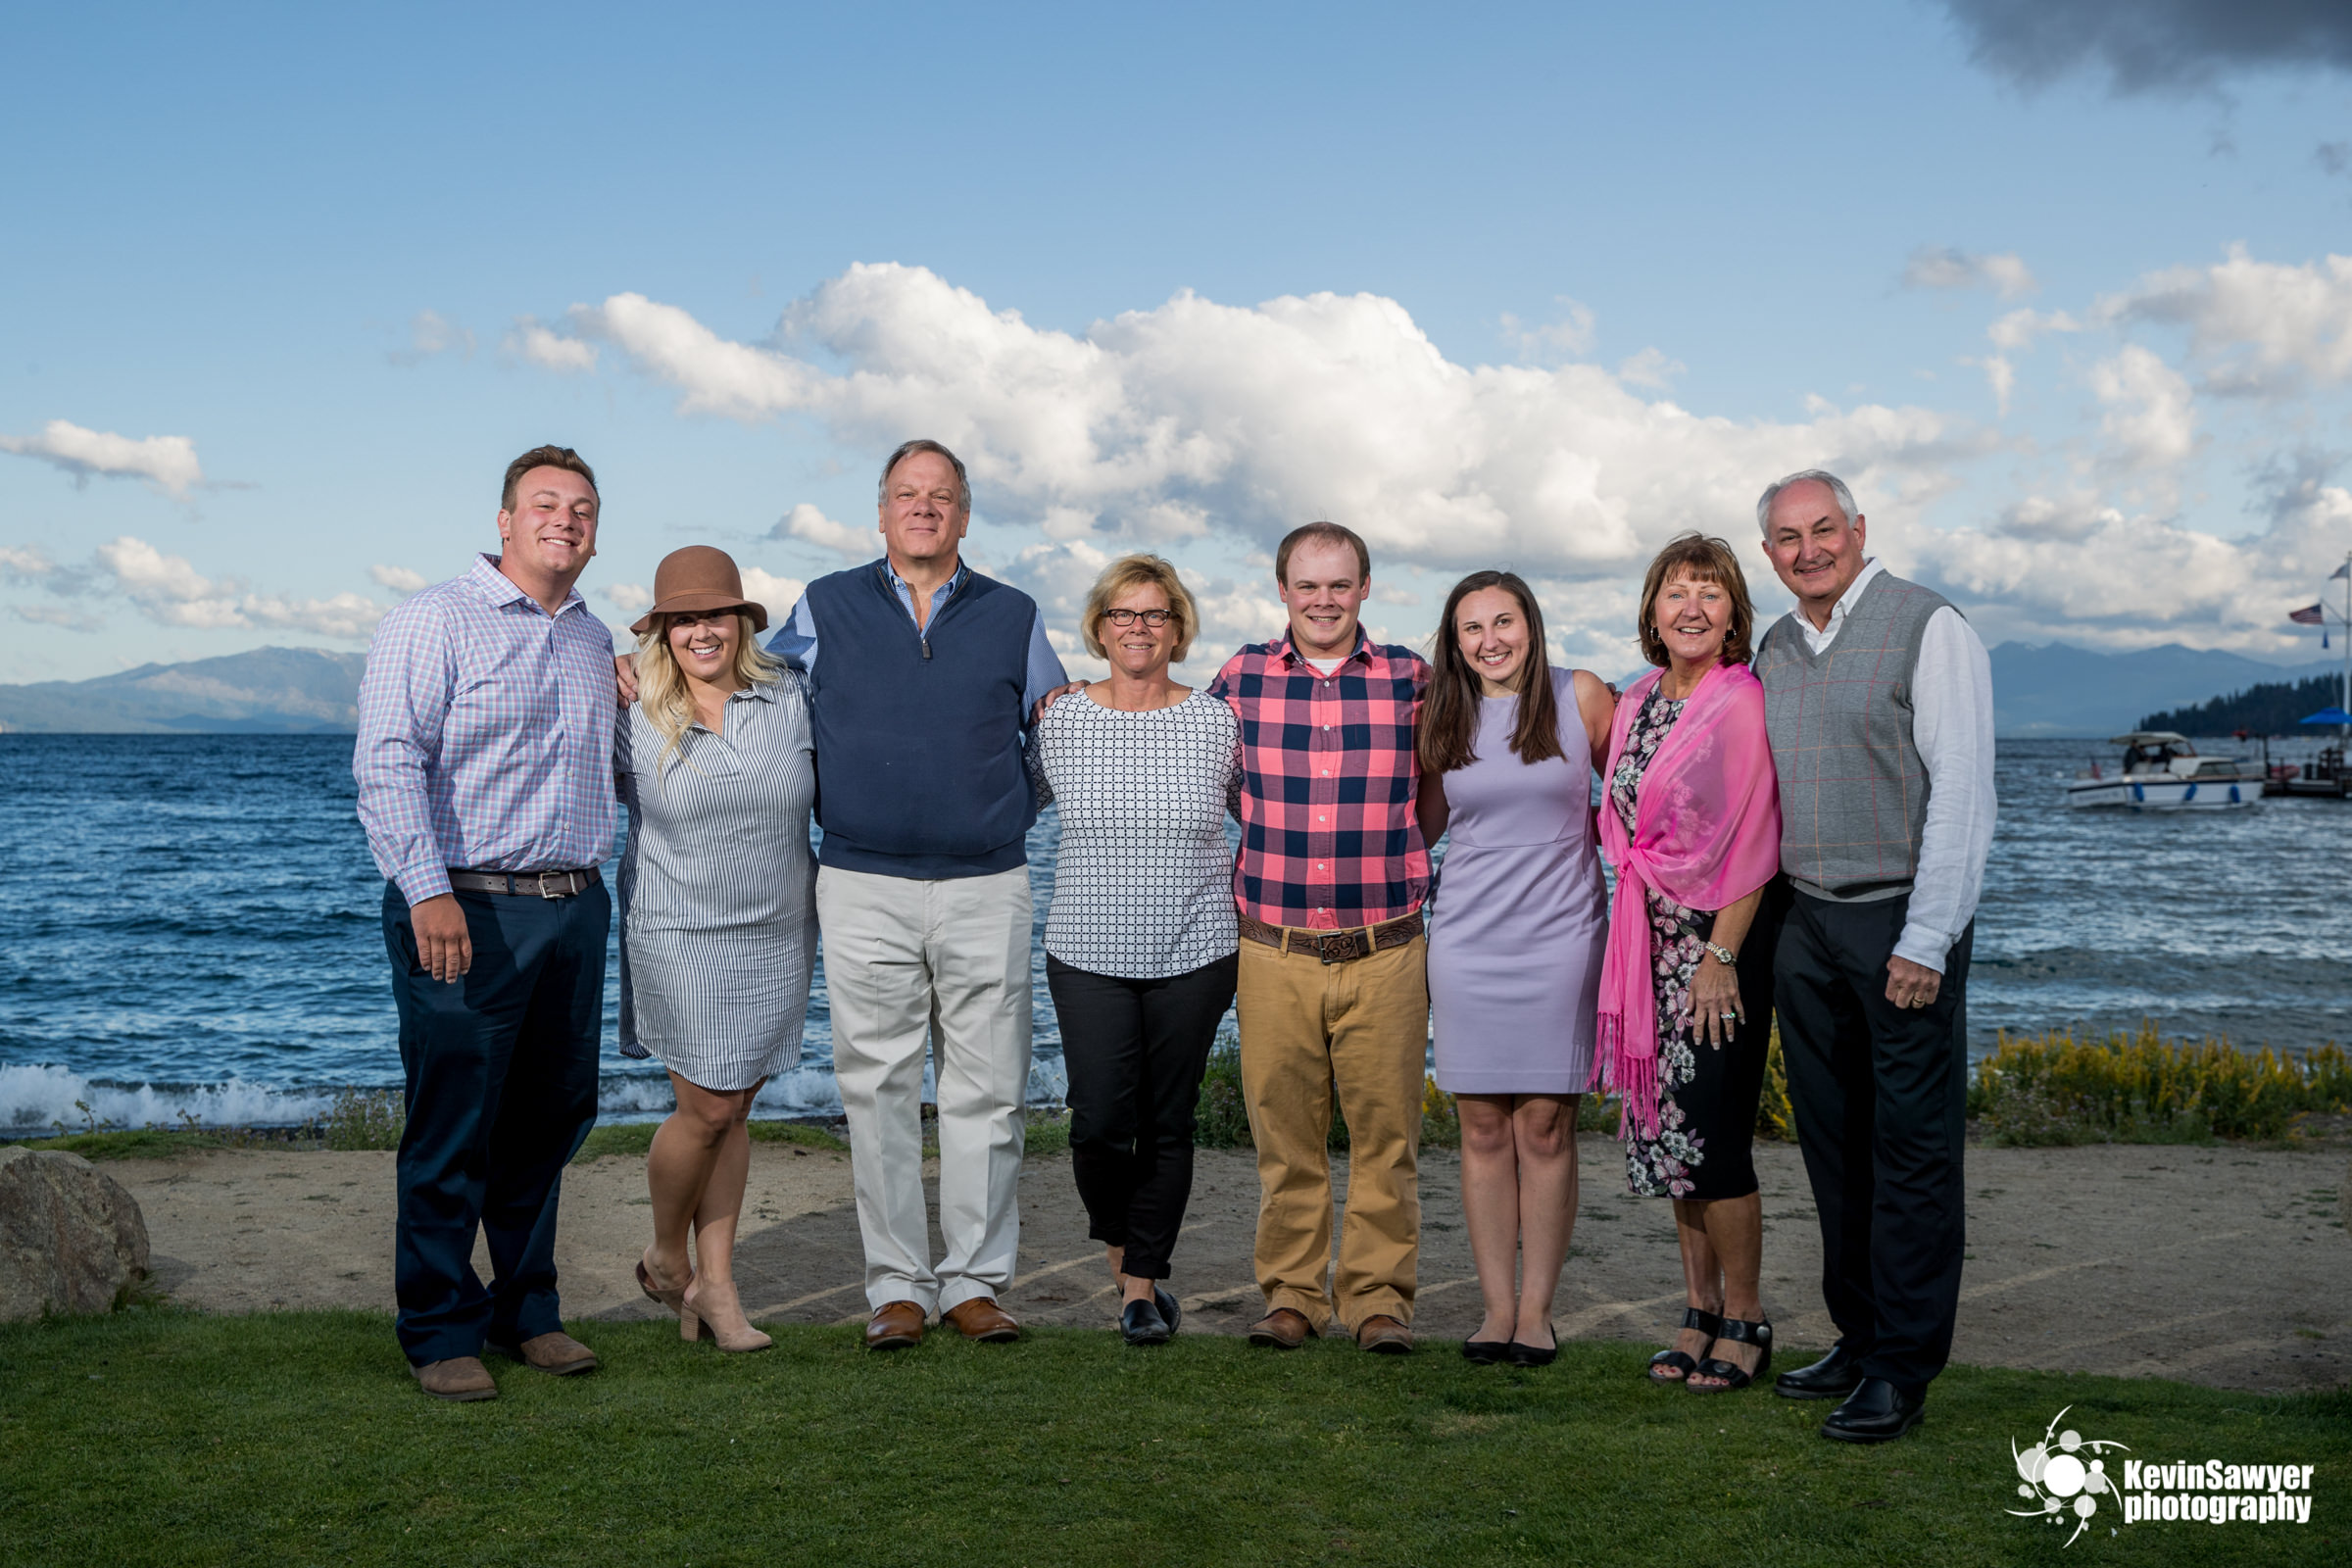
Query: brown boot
x=458, y=1379
x=982, y=1319
x=557, y=1354
x=1384, y=1335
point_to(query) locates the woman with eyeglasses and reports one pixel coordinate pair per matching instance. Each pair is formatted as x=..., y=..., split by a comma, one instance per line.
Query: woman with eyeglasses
x=1140, y=937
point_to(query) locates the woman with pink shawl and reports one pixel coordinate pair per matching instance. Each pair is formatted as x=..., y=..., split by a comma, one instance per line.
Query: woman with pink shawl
x=1692, y=824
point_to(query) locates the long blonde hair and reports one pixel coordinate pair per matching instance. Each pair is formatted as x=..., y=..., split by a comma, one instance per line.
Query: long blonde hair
x=662, y=689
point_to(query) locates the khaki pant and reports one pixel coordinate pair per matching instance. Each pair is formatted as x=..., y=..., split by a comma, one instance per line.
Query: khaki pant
x=945, y=964
x=1363, y=1028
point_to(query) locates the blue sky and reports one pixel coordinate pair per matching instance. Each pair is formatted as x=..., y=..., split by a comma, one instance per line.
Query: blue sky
x=1537, y=286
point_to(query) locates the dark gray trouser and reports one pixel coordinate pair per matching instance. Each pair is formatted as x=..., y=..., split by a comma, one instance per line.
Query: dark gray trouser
x=1881, y=1099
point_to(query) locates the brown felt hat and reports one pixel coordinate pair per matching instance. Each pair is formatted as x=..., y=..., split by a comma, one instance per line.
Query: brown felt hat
x=698, y=577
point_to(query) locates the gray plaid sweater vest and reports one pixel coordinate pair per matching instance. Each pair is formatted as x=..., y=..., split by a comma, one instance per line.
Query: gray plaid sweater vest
x=1853, y=790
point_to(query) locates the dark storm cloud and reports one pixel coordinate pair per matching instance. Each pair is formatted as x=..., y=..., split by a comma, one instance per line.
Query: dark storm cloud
x=2154, y=46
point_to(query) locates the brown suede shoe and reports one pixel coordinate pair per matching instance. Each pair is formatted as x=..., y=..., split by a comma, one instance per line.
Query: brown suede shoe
x=458, y=1379
x=1384, y=1335
x=982, y=1319
x=1284, y=1328
x=894, y=1326
x=557, y=1354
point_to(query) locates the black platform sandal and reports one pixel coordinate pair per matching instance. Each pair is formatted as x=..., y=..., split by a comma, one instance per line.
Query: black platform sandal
x=1734, y=1376
x=1681, y=1361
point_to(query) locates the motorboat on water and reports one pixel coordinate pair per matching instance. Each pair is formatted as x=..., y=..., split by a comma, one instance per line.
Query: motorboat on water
x=2162, y=771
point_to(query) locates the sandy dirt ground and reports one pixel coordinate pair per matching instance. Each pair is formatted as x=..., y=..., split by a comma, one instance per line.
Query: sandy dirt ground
x=2219, y=1266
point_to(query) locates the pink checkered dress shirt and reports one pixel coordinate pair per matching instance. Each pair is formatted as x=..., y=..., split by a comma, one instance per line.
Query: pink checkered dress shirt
x=1328, y=838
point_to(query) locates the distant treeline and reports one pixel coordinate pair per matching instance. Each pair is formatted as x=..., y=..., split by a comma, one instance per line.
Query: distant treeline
x=2274, y=708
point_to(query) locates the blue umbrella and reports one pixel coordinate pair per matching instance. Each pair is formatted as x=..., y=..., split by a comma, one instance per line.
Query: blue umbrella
x=2327, y=715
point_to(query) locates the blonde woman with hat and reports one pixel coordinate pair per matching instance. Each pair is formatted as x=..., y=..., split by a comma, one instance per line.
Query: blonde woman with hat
x=718, y=912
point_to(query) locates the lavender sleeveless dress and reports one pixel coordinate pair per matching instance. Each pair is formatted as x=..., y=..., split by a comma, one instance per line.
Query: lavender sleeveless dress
x=1520, y=917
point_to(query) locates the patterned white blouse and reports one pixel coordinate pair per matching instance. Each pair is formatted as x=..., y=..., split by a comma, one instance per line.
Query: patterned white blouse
x=1142, y=886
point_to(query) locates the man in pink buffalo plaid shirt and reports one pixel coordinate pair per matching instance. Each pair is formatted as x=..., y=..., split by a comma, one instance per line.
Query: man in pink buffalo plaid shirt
x=1334, y=988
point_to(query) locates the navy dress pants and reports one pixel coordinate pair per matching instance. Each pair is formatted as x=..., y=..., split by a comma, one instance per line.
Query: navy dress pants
x=1880, y=1094
x=501, y=1068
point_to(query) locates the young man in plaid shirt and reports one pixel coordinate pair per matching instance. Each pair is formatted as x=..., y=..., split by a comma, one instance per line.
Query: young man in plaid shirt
x=1334, y=987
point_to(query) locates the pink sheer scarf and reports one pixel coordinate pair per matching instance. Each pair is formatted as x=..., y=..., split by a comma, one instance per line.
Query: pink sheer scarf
x=1706, y=833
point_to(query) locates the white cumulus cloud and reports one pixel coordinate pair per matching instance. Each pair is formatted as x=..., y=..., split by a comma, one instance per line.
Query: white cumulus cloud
x=169, y=589
x=631, y=599
x=550, y=350
x=400, y=579
x=166, y=461
x=2151, y=418
x=808, y=525
x=773, y=593
x=2257, y=327
x=1257, y=419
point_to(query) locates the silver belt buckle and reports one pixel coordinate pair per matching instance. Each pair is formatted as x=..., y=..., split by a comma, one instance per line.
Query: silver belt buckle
x=567, y=889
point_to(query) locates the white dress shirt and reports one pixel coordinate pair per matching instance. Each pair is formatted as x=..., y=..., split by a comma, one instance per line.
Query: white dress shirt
x=1951, y=724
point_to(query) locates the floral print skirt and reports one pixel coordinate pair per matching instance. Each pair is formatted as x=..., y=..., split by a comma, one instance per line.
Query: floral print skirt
x=1707, y=1094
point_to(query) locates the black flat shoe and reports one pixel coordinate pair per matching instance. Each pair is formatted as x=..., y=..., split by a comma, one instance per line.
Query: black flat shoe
x=1682, y=1361
x=1734, y=1377
x=1171, y=1310
x=1534, y=1354
x=1140, y=1323
x=1833, y=1377
x=1877, y=1411
x=1484, y=1353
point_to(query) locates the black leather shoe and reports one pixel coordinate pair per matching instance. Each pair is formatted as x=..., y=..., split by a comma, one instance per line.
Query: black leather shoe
x=1140, y=1323
x=1484, y=1353
x=1877, y=1411
x=1833, y=1377
x=1171, y=1310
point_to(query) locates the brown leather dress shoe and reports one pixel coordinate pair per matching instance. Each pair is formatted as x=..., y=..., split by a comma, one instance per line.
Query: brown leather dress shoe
x=557, y=1354
x=458, y=1379
x=894, y=1326
x=1284, y=1328
x=1384, y=1335
x=982, y=1319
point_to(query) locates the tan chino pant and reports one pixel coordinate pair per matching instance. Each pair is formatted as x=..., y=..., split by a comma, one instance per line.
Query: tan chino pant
x=1363, y=1028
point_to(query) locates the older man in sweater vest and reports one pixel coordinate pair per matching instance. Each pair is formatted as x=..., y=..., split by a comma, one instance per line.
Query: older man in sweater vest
x=921, y=677
x=1879, y=700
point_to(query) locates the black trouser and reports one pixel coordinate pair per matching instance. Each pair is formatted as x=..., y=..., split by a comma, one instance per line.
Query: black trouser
x=1881, y=1099
x=1135, y=1051
x=501, y=1070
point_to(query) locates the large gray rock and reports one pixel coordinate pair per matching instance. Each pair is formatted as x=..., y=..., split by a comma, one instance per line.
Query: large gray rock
x=70, y=1236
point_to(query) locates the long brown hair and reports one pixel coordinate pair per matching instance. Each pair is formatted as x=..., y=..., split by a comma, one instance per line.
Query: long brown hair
x=1448, y=731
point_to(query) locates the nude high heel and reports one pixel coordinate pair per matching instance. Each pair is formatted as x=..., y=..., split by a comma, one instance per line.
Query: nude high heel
x=737, y=1338
x=673, y=1298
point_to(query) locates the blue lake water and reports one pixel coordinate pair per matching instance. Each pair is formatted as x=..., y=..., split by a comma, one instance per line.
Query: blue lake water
x=189, y=924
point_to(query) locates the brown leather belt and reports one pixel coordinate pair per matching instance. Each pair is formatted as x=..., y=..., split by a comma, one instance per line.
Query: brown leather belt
x=525, y=884
x=1335, y=947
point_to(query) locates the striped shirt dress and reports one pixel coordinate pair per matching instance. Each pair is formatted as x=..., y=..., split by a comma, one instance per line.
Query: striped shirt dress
x=718, y=890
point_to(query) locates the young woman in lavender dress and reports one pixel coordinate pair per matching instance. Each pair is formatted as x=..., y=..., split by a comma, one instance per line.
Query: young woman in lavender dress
x=1507, y=747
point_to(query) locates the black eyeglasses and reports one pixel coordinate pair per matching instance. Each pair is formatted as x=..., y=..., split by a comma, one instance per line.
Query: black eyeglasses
x=1153, y=619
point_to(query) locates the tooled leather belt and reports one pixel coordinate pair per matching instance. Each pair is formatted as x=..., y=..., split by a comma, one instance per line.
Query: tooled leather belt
x=525, y=884
x=1335, y=947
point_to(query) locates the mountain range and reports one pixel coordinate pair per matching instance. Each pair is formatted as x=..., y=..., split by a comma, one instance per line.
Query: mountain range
x=2052, y=691
x=266, y=690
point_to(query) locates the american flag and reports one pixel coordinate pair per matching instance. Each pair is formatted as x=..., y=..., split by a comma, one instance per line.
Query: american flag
x=2314, y=616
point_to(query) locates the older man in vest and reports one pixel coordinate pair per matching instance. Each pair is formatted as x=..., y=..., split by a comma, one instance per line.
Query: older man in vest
x=921, y=699
x=1879, y=698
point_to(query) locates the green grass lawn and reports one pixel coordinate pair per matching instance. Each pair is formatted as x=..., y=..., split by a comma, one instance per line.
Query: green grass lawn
x=158, y=1437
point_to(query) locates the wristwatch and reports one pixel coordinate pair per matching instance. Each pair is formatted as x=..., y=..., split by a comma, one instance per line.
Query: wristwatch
x=1730, y=959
